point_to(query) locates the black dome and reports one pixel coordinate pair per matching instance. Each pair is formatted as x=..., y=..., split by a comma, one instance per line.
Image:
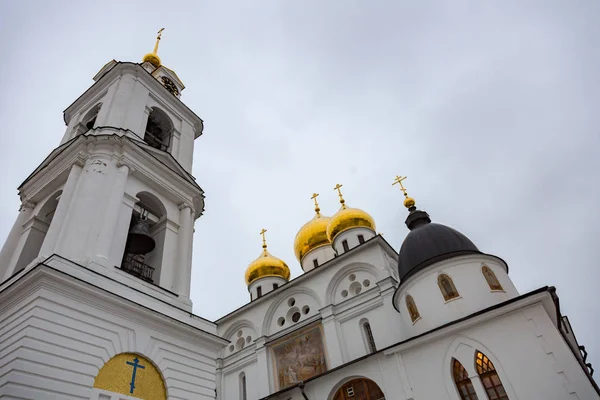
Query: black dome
x=428, y=243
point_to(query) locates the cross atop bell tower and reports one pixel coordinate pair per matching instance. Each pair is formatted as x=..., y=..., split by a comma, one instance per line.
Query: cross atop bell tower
x=117, y=196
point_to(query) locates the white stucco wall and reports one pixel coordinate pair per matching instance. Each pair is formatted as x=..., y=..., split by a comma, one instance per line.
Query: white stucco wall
x=57, y=332
x=474, y=292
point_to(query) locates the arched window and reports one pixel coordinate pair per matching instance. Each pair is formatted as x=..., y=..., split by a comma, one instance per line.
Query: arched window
x=447, y=287
x=489, y=377
x=369, y=339
x=243, y=392
x=34, y=232
x=159, y=130
x=89, y=120
x=491, y=279
x=345, y=245
x=361, y=388
x=143, y=254
x=465, y=388
x=412, y=308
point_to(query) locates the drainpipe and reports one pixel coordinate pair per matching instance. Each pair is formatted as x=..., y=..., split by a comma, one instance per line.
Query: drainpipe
x=301, y=386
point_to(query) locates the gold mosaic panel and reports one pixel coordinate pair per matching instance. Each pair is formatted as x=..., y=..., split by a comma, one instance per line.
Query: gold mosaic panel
x=123, y=374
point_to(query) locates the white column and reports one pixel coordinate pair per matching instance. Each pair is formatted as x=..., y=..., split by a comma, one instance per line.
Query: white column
x=119, y=239
x=169, y=259
x=12, y=240
x=262, y=383
x=111, y=215
x=332, y=340
x=64, y=203
x=185, y=235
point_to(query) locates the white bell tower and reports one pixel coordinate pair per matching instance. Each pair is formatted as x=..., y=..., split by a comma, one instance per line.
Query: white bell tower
x=123, y=163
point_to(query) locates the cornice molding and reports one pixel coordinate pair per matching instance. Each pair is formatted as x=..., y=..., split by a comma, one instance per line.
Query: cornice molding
x=44, y=277
x=140, y=74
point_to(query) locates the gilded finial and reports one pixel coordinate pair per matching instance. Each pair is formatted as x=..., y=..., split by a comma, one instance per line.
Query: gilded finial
x=158, y=36
x=342, y=201
x=153, y=57
x=317, y=209
x=408, y=201
x=262, y=233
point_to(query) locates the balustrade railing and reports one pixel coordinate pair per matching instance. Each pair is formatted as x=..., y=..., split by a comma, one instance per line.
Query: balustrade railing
x=137, y=268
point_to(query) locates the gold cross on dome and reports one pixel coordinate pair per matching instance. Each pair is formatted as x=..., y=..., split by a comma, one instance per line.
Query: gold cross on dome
x=314, y=197
x=398, y=181
x=337, y=187
x=317, y=209
x=262, y=233
x=158, y=36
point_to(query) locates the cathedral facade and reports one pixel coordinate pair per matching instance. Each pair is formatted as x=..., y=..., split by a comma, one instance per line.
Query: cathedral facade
x=95, y=285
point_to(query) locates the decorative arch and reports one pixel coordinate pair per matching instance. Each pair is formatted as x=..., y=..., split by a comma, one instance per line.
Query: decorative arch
x=159, y=129
x=152, y=203
x=240, y=334
x=236, y=326
x=340, y=275
x=284, y=296
x=35, y=231
x=143, y=379
x=149, y=214
x=360, y=385
x=89, y=119
x=464, y=350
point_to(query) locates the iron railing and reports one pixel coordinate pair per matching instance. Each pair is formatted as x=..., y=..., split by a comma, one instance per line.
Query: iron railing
x=137, y=268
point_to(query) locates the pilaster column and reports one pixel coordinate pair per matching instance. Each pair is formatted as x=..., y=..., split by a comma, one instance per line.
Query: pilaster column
x=262, y=383
x=332, y=341
x=119, y=237
x=111, y=215
x=49, y=244
x=185, y=235
x=25, y=213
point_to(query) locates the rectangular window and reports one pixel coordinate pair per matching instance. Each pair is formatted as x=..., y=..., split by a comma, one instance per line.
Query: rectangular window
x=258, y=292
x=361, y=239
x=275, y=286
x=345, y=245
x=315, y=263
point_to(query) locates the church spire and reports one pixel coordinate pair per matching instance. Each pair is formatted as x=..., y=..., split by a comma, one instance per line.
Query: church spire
x=153, y=57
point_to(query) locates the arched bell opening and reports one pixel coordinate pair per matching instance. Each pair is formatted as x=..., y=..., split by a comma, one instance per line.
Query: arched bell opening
x=145, y=241
x=35, y=230
x=159, y=130
x=89, y=120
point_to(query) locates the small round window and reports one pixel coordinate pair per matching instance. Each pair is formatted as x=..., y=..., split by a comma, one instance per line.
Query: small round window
x=296, y=316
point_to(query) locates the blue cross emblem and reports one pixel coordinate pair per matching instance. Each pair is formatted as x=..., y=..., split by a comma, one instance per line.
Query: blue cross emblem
x=135, y=367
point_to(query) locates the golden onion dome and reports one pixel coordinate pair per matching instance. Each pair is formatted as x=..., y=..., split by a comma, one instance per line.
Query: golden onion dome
x=266, y=265
x=348, y=218
x=313, y=234
x=152, y=58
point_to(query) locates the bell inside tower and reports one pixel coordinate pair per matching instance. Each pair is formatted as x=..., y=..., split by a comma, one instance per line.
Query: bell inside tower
x=143, y=250
x=159, y=130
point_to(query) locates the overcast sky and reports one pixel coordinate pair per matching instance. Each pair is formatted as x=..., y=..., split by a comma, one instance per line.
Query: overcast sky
x=490, y=108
